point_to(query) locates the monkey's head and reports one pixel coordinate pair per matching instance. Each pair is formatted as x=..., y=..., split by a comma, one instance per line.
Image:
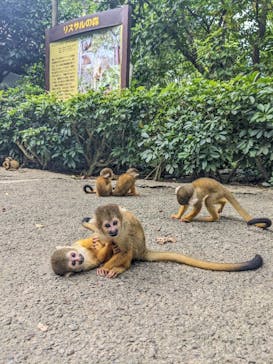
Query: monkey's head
x=107, y=173
x=6, y=163
x=109, y=220
x=184, y=194
x=133, y=172
x=65, y=260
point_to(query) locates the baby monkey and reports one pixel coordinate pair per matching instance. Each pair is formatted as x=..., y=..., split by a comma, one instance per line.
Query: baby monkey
x=125, y=185
x=103, y=183
x=215, y=196
x=115, y=224
x=83, y=255
x=10, y=164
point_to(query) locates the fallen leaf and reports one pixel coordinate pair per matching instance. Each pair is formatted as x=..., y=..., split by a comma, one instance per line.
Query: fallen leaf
x=42, y=327
x=39, y=226
x=165, y=239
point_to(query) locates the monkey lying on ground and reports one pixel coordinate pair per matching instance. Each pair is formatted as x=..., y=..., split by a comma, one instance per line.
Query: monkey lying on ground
x=125, y=185
x=117, y=225
x=103, y=183
x=10, y=164
x=213, y=193
x=81, y=256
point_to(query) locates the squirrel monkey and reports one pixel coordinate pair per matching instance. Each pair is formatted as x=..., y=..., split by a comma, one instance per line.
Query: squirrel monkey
x=212, y=193
x=125, y=185
x=81, y=256
x=103, y=183
x=10, y=164
x=117, y=225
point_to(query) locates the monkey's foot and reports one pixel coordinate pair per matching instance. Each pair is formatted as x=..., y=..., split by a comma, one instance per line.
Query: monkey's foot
x=184, y=219
x=175, y=216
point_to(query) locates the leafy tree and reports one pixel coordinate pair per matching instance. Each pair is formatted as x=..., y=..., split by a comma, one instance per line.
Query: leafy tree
x=217, y=39
x=22, y=27
x=22, y=30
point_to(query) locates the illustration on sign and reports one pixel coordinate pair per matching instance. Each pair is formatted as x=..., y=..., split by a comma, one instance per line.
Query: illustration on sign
x=99, y=60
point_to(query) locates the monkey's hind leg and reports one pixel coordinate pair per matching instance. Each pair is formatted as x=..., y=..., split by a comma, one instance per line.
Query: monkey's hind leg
x=222, y=203
x=210, y=205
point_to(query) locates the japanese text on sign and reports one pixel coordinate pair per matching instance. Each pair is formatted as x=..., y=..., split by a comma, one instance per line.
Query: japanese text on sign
x=83, y=24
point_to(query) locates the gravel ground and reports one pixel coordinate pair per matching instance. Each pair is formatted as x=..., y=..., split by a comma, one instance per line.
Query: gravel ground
x=153, y=313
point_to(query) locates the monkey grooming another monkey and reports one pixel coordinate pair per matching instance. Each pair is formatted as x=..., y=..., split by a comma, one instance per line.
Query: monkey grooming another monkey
x=83, y=255
x=10, y=164
x=212, y=193
x=103, y=183
x=114, y=224
x=125, y=185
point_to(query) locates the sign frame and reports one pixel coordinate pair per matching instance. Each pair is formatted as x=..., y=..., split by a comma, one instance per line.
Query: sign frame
x=89, y=23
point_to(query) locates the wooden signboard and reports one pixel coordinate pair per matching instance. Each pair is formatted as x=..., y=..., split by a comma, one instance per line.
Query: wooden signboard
x=87, y=53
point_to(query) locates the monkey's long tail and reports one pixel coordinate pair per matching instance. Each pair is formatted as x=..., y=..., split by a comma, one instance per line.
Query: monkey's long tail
x=158, y=256
x=262, y=222
x=88, y=189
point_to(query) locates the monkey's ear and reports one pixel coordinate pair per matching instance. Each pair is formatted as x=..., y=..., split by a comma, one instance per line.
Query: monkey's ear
x=122, y=208
x=177, y=188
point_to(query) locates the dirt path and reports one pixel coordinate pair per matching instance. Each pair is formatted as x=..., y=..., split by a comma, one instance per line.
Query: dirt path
x=156, y=312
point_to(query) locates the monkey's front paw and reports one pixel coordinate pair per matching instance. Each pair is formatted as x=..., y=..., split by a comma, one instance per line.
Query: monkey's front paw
x=96, y=245
x=112, y=274
x=174, y=216
x=102, y=272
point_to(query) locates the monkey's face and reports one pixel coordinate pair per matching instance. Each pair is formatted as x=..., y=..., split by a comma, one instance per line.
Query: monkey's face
x=109, y=220
x=75, y=261
x=66, y=259
x=111, y=227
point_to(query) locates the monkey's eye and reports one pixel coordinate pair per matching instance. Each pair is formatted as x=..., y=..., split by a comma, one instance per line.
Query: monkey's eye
x=107, y=225
x=73, y=255
x=115, y=222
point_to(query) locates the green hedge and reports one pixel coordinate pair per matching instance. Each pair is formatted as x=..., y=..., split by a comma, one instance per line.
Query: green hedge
x=194, y=128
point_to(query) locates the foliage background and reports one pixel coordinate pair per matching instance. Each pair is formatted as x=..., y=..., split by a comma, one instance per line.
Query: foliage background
x=200, y=101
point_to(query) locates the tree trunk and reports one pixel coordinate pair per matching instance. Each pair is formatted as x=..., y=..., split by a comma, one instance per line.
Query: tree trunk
x=54, y=19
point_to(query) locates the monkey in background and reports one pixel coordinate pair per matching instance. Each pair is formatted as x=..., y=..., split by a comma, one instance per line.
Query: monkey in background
x=115, y=224
x=125, y=185
x=10, y=164
x=83, y=255
x=103, y=183
x=213, y=194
